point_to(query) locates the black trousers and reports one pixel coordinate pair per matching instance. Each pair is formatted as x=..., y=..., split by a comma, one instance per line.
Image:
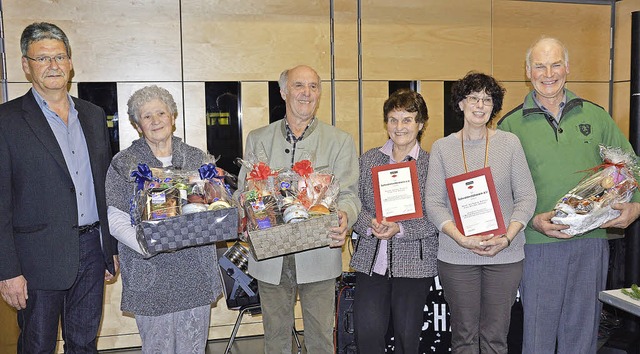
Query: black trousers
x=377, y=300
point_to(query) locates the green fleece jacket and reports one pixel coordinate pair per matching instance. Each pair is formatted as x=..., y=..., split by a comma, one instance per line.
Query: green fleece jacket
x=556, y=156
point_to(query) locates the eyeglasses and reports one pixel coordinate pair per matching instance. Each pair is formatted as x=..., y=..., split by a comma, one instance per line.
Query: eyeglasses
x=46, y=60
x=487, y=101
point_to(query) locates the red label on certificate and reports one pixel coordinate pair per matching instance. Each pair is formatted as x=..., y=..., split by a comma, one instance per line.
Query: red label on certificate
x=474, y=203
x=395, y=191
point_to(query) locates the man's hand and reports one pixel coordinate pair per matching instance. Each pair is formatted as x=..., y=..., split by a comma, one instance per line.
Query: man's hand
x=384, y=229
x=338, y=234
x=14, y=292
x=116, y=265
x=542, y=223
x=629, y=212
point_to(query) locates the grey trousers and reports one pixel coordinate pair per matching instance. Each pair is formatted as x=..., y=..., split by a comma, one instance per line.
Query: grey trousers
x=182, y=332
x=318, y=310
x=480, y=298
x=560, y=287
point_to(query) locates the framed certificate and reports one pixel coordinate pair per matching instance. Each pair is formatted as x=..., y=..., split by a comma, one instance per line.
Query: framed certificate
x=474, y=203
x=396, y=192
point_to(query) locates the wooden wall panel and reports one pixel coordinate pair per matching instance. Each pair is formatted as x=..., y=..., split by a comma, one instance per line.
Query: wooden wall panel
x=433, y=94
x=583, y=28
x=226, y=40
x=597, y=93
x=621, y=105
x=255, y=107
x=111, y=40
x=413, y=40
x=622, y=67
x=195, y=123
x=347, y=109
x=346, y=39
x=15, y=90
x=374, y=133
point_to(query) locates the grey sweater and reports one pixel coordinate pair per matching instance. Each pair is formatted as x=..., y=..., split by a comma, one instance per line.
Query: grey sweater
x=410, y=256
x=514, y=186
x=167, y=282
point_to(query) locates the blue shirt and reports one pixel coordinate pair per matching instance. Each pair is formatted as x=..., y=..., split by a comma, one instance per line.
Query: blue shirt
x=73, y=144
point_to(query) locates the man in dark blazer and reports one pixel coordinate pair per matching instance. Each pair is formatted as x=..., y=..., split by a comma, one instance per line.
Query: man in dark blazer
x=55, y=246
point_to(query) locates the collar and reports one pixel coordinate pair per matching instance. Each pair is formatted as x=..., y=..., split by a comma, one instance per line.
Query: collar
x=530, y=107
x=288, y=135
x=387, y=149
x=563, y=103
x=42, y=103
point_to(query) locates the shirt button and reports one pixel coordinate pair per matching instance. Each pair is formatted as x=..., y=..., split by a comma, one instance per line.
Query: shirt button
x=560, y=130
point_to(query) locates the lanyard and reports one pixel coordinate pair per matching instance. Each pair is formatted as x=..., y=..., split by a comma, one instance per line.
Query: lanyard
x=486, y=150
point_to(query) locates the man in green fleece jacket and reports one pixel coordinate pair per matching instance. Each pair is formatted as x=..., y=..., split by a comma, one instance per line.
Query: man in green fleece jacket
x=560, y=134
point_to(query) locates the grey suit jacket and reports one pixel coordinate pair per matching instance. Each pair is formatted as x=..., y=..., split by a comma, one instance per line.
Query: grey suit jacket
x=38, y=209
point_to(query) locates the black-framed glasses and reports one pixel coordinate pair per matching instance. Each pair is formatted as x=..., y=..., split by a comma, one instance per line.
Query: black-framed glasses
x=46, y=60
x=487, y=101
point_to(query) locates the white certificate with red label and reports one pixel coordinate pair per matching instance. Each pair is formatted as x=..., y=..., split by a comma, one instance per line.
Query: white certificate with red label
x=474, y=203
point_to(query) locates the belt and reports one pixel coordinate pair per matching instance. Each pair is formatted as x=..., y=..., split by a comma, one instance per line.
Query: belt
x=87, y=228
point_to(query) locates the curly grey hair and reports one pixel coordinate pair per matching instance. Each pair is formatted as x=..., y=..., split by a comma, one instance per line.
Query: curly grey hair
x=147, y=94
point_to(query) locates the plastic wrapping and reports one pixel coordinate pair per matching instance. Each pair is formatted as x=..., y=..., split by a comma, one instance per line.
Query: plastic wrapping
x=174, y=209
x=588, y=205
x=275, y=202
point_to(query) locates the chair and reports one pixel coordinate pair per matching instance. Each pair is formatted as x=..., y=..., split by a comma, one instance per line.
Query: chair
x=241, y=290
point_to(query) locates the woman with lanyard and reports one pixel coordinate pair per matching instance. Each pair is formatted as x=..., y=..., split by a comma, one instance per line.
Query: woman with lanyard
x=480, y=274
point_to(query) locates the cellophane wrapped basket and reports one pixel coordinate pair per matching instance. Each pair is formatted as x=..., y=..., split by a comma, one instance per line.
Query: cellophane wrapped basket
x=174, y=209
x=290, y=210
x=588, y=205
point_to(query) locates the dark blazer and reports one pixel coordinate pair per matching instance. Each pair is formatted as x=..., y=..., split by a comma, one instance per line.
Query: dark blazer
x=38, y=209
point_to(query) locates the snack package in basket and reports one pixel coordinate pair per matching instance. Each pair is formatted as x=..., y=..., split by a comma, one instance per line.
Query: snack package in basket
x=174, y=209
x=289, y=210
x=588, y=205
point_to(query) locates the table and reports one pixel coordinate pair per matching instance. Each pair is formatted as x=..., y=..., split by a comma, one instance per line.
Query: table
x=617, y=299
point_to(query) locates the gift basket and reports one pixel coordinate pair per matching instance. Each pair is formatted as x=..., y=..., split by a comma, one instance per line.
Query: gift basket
x=290, y=210
x=174, y=209
x=588, y=205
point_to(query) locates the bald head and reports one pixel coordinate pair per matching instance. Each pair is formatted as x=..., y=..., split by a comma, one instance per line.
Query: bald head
x=284, y=76
x=547, y=44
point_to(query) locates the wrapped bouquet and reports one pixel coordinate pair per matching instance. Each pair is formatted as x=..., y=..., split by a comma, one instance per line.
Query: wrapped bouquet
x=588, y=205
x=174, y=209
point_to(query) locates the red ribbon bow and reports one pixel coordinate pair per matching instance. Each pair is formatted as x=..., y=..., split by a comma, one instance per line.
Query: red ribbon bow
x=260, y=172
x=303, y=168
x=604, y=165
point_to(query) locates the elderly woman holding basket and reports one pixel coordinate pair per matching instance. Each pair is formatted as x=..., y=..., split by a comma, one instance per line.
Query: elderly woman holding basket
x=170, y=294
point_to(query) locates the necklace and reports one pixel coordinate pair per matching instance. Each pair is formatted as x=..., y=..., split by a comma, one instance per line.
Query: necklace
x=486, y=149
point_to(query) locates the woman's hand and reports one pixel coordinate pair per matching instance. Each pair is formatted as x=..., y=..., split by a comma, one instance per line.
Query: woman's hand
x=491, y=247
x=497, y=244
x=384, y=230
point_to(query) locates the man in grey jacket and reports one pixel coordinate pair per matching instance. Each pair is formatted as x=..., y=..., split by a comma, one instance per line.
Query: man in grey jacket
x=310, y=274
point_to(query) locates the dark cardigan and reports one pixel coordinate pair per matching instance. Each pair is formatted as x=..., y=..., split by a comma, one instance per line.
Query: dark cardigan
x=412, y=256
